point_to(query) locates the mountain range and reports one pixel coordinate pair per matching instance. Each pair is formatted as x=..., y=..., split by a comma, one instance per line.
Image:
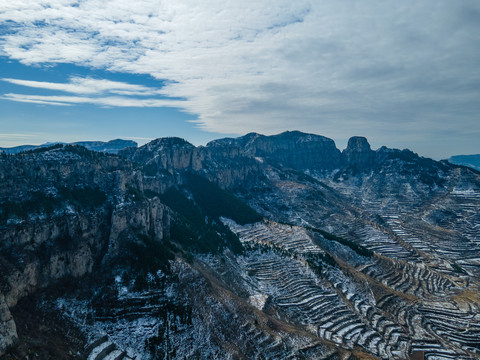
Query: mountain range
x=257, y=247
x=472, y=161
x=112, y=146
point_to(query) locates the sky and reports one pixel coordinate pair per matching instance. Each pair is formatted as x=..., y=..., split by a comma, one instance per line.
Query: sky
x=405, y=74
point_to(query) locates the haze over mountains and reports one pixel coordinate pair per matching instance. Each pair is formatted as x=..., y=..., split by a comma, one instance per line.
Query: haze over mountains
x=112, y=146
x=257, y=247
x=472, y=161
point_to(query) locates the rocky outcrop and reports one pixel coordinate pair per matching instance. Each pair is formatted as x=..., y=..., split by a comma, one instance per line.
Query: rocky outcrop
x=149, y=218
x=8, y=330
x=45, y=252
x=227, y=166
x=166, y=153
x=358, y=153
x=61, y=210
x=292, y=149
x=298, y=150
x=68, y=246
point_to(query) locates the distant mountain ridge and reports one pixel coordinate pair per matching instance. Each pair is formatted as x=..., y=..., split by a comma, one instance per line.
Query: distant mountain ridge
x=112, y=146
x=472, y=161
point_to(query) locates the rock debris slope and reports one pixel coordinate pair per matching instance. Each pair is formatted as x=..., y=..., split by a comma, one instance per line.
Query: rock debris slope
x=259, y=247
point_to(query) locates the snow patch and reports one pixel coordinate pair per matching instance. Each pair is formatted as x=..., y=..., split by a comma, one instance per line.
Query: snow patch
x=258, y=300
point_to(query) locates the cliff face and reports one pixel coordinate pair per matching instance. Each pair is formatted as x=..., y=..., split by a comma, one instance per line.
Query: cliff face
x=298, y=150
x=148, y=218
x=358, y=153
x=291, y=149
x=62, y=211
x=166, y=153
x=38, y=254
x=8, y=330
x=228, y=166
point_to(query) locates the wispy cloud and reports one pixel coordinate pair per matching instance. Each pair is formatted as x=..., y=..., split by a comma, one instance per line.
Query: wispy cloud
x=92, y=91
x=101, y=101
x=16, y=136
x=80, y=85
x=334, y=67
x=137, y=138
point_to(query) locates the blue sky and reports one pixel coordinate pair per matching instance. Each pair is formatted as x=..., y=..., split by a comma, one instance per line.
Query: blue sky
x=25, y=122
x=403, y=74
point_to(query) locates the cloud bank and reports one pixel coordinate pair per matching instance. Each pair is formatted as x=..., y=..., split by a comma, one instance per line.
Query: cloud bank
x=389, y=69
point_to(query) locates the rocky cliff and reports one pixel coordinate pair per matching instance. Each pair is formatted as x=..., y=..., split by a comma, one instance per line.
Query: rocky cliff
x=358, y=153
x=228, y=166
x=63, y=209
x=292, y=149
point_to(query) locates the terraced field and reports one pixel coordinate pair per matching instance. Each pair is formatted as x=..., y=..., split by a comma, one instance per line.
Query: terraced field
x=103, y=349
x=388, y=306
x=390, y=281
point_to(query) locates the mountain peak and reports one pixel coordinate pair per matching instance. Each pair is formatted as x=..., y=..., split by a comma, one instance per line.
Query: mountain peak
x=358, y=152
x=167, y=142
x=358, y=144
